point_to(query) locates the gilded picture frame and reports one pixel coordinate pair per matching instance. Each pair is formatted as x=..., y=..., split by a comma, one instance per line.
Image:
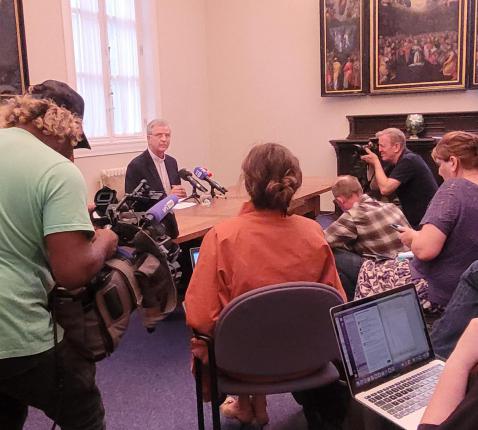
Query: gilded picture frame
x=473, y=66
x=13, y=57
x=343, y=61
x=418, y=45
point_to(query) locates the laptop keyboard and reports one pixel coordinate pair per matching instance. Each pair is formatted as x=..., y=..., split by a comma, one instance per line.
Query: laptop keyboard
x=408, y=395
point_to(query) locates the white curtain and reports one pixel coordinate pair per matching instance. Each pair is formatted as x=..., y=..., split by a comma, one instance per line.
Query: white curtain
x=124, y=66
x=122, y=79
x=88, y=63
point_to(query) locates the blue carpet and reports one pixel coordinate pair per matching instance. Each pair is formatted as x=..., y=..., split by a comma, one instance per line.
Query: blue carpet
x=147, y=384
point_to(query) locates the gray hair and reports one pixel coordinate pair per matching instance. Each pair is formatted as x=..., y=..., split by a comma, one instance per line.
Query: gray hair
x=396, y=135
x=156, y=122
x=346, y=186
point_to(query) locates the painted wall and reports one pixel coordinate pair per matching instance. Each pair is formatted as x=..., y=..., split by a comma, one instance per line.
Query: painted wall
x=180, y=27
x=264, y=71
x=234, y=73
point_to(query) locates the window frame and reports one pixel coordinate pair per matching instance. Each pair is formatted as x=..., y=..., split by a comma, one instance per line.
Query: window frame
x=112, y=144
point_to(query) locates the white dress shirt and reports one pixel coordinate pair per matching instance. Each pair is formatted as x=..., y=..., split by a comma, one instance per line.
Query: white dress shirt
x=162, y=172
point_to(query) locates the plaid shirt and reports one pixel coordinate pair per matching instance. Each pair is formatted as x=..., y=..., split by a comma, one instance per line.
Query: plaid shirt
x=365, y=228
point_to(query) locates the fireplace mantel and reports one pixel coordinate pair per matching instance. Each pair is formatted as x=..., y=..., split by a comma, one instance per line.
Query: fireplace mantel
x=363, y=127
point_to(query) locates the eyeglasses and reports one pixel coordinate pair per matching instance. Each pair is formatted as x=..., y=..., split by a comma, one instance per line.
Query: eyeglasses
x=167, y=135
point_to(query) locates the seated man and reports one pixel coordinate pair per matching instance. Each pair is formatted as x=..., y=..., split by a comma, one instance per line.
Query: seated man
x=363, y=229
x=410, y=177
x=159, y=169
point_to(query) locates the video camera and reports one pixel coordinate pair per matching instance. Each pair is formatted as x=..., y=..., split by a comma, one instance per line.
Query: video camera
x=143, y=274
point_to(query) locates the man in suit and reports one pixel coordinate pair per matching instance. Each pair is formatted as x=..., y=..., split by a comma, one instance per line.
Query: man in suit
x=159, y=169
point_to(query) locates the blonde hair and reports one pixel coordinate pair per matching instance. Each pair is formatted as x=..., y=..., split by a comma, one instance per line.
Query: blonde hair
x=462, y=145
x=346, y=186
x=45, y=115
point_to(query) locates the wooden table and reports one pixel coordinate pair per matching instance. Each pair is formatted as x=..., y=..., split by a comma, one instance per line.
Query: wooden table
x=194, y=222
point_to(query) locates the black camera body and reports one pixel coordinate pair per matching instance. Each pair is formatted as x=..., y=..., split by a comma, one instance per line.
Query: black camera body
x=372, y=145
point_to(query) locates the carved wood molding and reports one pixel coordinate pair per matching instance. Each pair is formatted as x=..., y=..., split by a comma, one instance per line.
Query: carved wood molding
x=436, y=124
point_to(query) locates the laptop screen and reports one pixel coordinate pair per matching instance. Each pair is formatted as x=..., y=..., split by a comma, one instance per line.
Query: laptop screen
x=381, y=336
x=194, y=253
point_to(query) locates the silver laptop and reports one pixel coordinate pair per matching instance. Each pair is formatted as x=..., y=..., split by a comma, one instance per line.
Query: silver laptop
x=388, y=357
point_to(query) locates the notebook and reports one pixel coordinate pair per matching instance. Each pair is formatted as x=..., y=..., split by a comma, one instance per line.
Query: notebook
x=194, y=253
x=387, y=354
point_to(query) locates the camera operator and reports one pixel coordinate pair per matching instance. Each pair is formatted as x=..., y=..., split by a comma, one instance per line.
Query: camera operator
x=409, y=176
x=45, y=237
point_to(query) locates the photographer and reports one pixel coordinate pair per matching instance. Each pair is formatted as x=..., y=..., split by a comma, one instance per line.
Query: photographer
x=46, y=237
x=409, y=177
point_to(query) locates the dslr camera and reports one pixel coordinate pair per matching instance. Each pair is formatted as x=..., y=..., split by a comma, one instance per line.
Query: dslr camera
x=372, y=145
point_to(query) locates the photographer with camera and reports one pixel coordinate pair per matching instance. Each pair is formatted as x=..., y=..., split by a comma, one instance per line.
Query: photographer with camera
x=407, y=174
x=46, y=237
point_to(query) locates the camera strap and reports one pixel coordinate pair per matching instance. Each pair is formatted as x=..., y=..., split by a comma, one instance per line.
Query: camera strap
x=58, y=368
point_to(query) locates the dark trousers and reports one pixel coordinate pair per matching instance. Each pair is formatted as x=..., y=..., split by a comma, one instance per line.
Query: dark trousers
x=460, y=310
x=348, y=267
x=77, y=406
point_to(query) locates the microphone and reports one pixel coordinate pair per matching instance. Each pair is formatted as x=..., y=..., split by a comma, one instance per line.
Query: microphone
x=159, y=211
x=203, y=174
x=188, y=176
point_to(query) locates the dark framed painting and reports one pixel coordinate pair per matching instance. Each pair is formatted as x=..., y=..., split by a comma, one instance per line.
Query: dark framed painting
x=418, y=45
x=473, y=63
x=343, y=60
x=13, y=56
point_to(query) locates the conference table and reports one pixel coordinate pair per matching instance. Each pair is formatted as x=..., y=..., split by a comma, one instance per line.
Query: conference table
x=195, y=221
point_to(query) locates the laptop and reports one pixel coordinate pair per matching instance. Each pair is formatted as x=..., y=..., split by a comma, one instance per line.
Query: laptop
x=387, y=354
x=194, y=253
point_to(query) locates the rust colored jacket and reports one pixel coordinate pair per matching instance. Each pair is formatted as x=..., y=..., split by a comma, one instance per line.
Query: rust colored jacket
x=253, y=250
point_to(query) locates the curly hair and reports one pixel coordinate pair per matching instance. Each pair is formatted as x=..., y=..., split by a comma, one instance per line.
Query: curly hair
x=461, y=144
x=272, y=175
x=45, y=115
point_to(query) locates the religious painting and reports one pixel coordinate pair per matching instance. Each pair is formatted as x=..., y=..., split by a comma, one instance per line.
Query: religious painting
x=13, y=58
x=474, y=48
x=418, y=45
x=342, y=42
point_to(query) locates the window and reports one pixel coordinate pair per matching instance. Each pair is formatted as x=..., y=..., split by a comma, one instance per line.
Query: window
x=105, y=45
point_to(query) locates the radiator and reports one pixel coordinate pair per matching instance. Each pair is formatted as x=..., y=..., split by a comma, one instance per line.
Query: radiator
x=114, y=179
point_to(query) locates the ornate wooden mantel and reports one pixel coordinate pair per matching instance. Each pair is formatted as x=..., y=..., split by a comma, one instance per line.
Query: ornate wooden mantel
x=362, y=128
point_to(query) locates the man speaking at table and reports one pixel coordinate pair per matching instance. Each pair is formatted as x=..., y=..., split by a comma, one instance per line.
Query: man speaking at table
x=159, y=169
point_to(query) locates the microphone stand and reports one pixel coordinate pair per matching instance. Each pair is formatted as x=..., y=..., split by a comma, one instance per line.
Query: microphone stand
x=218, y=194
x=194, y=195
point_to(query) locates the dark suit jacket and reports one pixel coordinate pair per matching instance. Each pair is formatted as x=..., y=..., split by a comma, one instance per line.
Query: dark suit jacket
x=143, y=167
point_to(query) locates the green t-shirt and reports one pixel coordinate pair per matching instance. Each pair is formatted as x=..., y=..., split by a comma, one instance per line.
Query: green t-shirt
x=41, y=193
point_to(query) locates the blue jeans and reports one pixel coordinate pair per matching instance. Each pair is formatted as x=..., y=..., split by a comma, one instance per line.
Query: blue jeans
x=348, y=267
x=461, y=309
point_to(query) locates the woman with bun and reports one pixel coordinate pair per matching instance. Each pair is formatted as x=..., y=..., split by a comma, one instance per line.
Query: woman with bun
x=261, y=246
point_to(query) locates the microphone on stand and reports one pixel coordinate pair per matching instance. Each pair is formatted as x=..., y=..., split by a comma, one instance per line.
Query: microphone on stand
x=205, y=175
x=188, y=176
